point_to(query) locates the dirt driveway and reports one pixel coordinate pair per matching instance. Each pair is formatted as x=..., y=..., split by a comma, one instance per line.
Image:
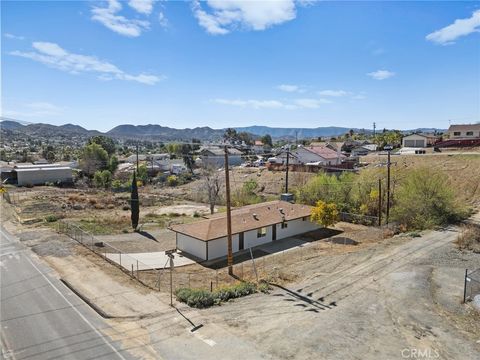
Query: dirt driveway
x=371, y=304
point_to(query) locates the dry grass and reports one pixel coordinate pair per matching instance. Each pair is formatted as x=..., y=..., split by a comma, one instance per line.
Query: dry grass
x=469, y=238
x=462, y=170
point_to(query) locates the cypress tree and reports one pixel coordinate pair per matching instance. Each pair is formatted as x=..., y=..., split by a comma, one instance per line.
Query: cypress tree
x=134, y=203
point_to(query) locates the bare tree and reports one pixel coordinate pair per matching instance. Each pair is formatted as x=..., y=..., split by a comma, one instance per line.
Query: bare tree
x=211, y=185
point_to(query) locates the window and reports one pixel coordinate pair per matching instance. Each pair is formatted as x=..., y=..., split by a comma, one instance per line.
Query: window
x=305, y=218
x=469, y=133
x=262, y=232
x=456, y=133
x=284, y=225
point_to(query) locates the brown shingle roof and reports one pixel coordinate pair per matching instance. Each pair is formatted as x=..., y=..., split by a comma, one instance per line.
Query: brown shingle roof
x=474, y=127
x=325, y=152
x=244, y=219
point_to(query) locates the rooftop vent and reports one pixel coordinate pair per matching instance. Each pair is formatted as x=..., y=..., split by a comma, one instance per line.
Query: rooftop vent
x=281, y=210
x=255, y=216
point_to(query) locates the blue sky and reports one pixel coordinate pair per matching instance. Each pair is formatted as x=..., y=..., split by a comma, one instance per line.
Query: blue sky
x=239, y=63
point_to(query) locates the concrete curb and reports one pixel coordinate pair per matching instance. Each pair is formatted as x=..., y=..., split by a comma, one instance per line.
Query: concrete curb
x=87, y=301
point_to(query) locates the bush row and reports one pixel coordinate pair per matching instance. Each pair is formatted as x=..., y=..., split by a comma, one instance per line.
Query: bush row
x=200, y=298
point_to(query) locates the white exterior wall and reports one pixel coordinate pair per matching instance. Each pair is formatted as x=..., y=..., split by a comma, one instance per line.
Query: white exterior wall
x=41, y=176
x=295, y=227
x=463, y=134
x=192, y=246
x=218, y=247
x=414, y=141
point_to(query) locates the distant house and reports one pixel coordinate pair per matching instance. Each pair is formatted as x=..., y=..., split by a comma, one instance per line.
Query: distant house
x=252, y=225
x=363, y=150
x=459, y=132
x=415, y=141
x=320, y=155
x=215, y=156
x=260, y=148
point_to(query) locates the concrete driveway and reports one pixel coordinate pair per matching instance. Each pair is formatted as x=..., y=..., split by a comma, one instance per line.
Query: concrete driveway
x=147, y=261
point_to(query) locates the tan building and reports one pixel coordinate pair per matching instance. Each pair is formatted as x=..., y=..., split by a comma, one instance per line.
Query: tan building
x=460, y=132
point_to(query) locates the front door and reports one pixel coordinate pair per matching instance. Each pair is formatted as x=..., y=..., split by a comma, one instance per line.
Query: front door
x=240, y=241
x=274, y=232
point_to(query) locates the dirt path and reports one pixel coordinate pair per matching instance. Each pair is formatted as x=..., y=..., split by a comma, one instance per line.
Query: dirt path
x=371, y=305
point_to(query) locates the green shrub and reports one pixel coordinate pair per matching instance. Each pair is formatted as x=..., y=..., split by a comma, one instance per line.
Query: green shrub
x=172, y=180
x=197, y=298
x=425, y=199
x=264, y=287
x=200, y=298
x=51, y=218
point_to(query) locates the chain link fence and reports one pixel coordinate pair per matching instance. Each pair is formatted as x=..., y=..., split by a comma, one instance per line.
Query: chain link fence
x=249, y=266
x=128, y=264
x=472, y=285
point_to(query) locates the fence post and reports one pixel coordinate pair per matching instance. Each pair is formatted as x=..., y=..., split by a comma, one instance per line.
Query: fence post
x=216, y=279
x=120, y=255
x=137, y=271
x=132, y=271
x=465, y=286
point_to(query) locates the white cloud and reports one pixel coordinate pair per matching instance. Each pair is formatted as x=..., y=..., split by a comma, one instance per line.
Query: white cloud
x=334, y=93
x=460, y=27
x=11, y=36
x=163, y=21
x=35, y=109
x=290, y=88
x=54, y=56
x=256, y=104
x=274, y=104
x=359, y=97
x=225, y=16
x=142, y=6
x=121, y=25
x=311, y=103
x=381, y=74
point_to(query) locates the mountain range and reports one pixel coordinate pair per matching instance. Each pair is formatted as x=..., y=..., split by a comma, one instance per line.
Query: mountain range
x=164, y=133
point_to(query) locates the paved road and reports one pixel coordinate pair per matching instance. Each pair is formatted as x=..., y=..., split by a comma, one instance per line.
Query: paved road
x=40, y=318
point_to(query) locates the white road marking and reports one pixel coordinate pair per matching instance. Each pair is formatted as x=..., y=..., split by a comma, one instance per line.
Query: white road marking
x=209, y=342
x=72, y=306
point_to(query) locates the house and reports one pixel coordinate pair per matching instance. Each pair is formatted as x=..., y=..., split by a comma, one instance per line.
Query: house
x=363, y=150
x=320, y=155
x=215, y=156
x=260, y=148
x=415, y=141
x=252, y=225
x=457, y=132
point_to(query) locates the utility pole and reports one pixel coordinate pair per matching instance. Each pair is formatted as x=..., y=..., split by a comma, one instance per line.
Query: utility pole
x=286, y=172
x=296, y=137
x=379, y=202
x=388, y=148
x=229, y=216
x=137, y=158
x=170, y=255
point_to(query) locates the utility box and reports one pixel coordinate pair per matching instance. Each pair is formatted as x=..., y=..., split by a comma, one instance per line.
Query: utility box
x=287, y=197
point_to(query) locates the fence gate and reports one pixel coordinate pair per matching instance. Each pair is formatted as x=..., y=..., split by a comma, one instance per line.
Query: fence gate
x=472, y=285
